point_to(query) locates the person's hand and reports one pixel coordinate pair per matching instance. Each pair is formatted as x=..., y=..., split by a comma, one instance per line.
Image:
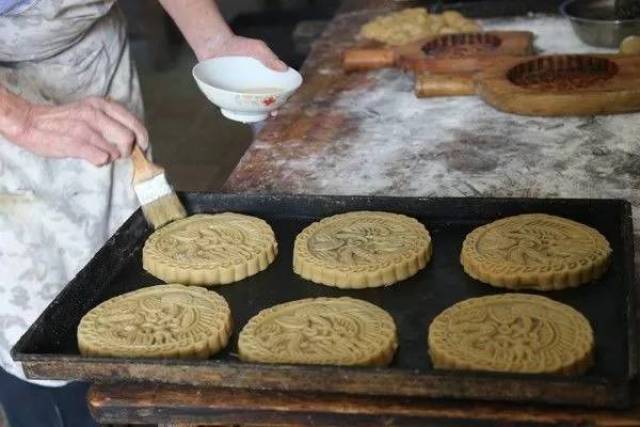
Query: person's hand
x=94, y=129
x=243, y=46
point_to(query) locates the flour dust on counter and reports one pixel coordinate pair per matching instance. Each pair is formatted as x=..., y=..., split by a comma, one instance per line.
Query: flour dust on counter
x=369, y=134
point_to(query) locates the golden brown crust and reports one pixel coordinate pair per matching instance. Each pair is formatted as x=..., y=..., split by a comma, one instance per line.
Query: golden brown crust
x=320, y=331
x=511, y=333
x=535, y=251
x=210, y=249
x=157, y=321
x=361, y=249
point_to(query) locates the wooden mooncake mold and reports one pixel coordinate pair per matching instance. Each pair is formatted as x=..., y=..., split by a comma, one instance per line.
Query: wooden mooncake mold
x=449, y=54
x=535, y=251
x=320, y=331
x=210, y=249
x=361, y=249
x=562, y=85
x=511, y=333
x=158, y=321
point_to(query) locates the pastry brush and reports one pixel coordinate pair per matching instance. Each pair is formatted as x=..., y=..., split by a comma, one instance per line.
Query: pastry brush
x=159, y=202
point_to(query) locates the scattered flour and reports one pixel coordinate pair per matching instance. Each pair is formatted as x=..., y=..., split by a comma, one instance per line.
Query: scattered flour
x=458, y=146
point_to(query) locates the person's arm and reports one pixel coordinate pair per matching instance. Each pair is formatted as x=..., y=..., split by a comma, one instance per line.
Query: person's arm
x=94, y=129
x=209, y=35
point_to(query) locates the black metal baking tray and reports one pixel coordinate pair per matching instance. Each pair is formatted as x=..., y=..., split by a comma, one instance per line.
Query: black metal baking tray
x=49, y=348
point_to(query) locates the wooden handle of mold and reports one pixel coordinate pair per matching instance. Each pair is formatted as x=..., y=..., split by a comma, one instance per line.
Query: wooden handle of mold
x=368, y=59
x=428, y=85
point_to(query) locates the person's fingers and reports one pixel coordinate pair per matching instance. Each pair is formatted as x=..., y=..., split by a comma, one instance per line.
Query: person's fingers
x=73, y=147
x=113, y=131
x=125, y=117
x=96, y=139
x=271, y=61
x=82, y=131
x=265, y=55
x=277, y=64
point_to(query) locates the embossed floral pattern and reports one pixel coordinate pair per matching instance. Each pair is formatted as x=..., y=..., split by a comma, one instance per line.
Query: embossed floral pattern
x=210, y=249
x=539, y=241
x=514, y=333
x=535, y=251
x=360, y=242
x=159, y=321
x=338, y=331
x=362, y=249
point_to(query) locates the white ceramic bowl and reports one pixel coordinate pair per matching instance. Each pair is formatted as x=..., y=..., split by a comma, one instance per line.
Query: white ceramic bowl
x=244, y=88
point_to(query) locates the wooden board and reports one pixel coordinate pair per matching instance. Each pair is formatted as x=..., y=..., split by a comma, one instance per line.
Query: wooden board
x=155, y=403
x=552, y=85
x=562, y=85
x=460, y=52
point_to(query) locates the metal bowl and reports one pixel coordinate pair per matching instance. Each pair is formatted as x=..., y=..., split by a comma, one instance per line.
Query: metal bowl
x=595, y=23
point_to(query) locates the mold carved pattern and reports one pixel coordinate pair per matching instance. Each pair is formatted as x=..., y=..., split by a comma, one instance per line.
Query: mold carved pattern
x=461, y=45
x=562, y=73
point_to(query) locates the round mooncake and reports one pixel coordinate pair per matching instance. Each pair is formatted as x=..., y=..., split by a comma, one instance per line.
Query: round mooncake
x=535, y=251
x=511, y=333
x=362, y=249
x=157, y=321
x=320, y=331
x=208, y=249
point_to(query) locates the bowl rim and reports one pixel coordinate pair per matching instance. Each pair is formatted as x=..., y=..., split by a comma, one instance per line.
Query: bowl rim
x=232, y=92
x=566, y=3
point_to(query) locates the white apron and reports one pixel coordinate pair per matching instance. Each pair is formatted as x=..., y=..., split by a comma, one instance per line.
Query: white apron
x=56, y=213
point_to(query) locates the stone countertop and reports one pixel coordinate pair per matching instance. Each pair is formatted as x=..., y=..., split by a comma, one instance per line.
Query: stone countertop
x=367, y=133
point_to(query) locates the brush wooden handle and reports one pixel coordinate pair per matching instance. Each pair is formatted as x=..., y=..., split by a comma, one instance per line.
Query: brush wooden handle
x=368, y=59
x=428, y=84
x=143, y=169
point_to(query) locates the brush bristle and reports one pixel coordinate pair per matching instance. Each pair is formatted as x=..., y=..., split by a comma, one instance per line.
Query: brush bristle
x=164, y=210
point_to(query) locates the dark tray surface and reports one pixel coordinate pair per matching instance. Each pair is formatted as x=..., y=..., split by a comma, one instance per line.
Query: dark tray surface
x=413, y=303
